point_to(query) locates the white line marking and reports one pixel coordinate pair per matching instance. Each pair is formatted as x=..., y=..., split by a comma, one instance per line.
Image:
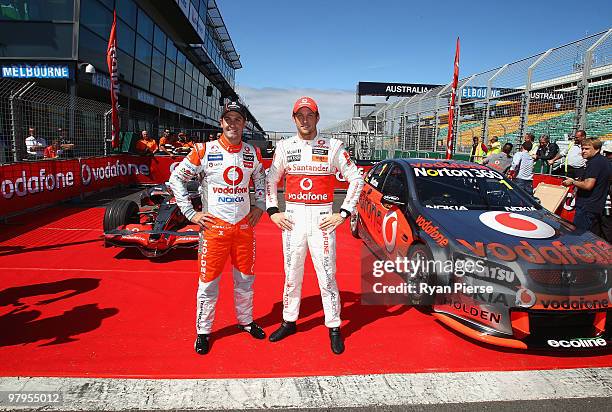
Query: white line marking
x=318, y=392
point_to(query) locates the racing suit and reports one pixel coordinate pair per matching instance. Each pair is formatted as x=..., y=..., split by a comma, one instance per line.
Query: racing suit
x=224, y=172
x=310, y=167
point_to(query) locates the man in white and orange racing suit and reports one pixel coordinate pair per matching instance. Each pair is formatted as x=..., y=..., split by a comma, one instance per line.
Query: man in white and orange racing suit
x=224, y=168
x=310, y=163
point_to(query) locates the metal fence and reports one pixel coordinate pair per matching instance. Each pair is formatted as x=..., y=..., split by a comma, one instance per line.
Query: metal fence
x=49, y=115
x=555, y=93
x=81, y=127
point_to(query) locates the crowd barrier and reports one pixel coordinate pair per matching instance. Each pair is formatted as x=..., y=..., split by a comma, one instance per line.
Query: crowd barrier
x=28, y=185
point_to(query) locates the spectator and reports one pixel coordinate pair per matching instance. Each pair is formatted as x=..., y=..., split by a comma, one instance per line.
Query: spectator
x=522, y=168
x=66, y=145
x=592, y=188
x=184, y=144
x=146, y=145
x=494, y=146
x=529, y=137
x=185, y=140
x=606, y=219
x=53, y=151
x=479, y=150
x=168, y=143
x=500, y=161
x=35, y=146
x=574, y=163
x=547, y=151
x=211, y=137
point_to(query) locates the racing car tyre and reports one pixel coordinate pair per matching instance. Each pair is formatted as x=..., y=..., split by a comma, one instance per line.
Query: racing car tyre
x=420, y=252
x=119, y=213
x=354, y=223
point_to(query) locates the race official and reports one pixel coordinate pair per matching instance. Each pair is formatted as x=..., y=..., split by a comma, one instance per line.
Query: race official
x=592, y=188
x=309, y=163
x=224, y=168
x=479, y=150
x=573, y=162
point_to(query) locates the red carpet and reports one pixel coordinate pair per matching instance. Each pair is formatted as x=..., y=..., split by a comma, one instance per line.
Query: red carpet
x=69, y=307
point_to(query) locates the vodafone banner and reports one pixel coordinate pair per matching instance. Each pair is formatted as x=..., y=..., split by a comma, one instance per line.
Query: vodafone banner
x=31, y=184
x=27, y=185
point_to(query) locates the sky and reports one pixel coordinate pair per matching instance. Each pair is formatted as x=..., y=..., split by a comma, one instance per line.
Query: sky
x=324, y=48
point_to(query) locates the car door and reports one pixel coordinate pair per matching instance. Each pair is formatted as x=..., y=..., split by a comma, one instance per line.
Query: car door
x=369, y=201
x=396, y=234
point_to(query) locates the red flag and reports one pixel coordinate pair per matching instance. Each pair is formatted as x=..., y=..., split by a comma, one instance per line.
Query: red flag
x=111, y=61
x=451, y=110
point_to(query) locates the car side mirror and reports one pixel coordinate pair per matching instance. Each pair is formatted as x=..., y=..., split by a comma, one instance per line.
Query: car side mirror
x=391, y=200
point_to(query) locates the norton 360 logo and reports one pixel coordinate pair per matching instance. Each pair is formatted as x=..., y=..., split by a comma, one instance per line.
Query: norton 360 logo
x=517, y=225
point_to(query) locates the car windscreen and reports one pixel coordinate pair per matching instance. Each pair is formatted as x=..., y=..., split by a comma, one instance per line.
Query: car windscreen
x=466, y=187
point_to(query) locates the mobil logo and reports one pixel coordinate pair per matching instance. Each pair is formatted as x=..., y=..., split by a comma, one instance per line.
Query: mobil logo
x=233, y=175
x=389, y=230
x=517, y=225
x=525, y=298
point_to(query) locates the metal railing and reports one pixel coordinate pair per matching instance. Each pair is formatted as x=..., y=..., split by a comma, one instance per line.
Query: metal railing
x=556, y=92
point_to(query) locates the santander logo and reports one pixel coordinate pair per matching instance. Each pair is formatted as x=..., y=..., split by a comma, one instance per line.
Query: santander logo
x=389, y=230
x=517, y=225
x=233, y=175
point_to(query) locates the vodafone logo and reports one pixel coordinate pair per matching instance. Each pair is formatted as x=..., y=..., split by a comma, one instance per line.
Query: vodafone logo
x=233, y=175
x=306, y=183
x=305, y=101
x=321, y=142
x=389, y=230
x=517, y=225
x=247, y=149
x=570, y=201
x=525, y=298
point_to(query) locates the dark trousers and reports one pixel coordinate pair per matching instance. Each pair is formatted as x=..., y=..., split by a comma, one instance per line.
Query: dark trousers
x=606, y=227
x=574, y=172
x=526, y=185
x=586, y=220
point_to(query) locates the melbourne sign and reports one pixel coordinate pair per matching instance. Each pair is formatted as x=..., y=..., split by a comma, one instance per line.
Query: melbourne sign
x=36, y=71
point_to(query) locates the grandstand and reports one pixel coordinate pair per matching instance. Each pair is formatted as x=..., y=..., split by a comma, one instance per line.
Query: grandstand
x=555, y=92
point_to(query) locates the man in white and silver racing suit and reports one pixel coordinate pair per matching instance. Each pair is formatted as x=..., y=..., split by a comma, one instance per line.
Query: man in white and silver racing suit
x=224, y=168
x=310, y=163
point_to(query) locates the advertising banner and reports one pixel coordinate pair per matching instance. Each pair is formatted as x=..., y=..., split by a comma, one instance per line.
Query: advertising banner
x=30, y=184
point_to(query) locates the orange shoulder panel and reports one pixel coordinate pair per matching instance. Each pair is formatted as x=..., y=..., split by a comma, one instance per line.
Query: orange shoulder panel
x=197, y=154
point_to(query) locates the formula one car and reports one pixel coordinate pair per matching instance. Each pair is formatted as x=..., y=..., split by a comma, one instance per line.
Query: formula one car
x=156, y=226
x=484, y=256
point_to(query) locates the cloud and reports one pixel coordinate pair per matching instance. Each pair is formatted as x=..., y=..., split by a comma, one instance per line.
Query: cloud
x=272, y=106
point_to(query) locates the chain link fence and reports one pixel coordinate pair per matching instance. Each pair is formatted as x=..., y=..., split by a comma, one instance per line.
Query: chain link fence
x=554, y=93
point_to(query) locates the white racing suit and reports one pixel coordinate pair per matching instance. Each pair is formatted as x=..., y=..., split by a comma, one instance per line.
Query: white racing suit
x=310, y=167
x=224, y=172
